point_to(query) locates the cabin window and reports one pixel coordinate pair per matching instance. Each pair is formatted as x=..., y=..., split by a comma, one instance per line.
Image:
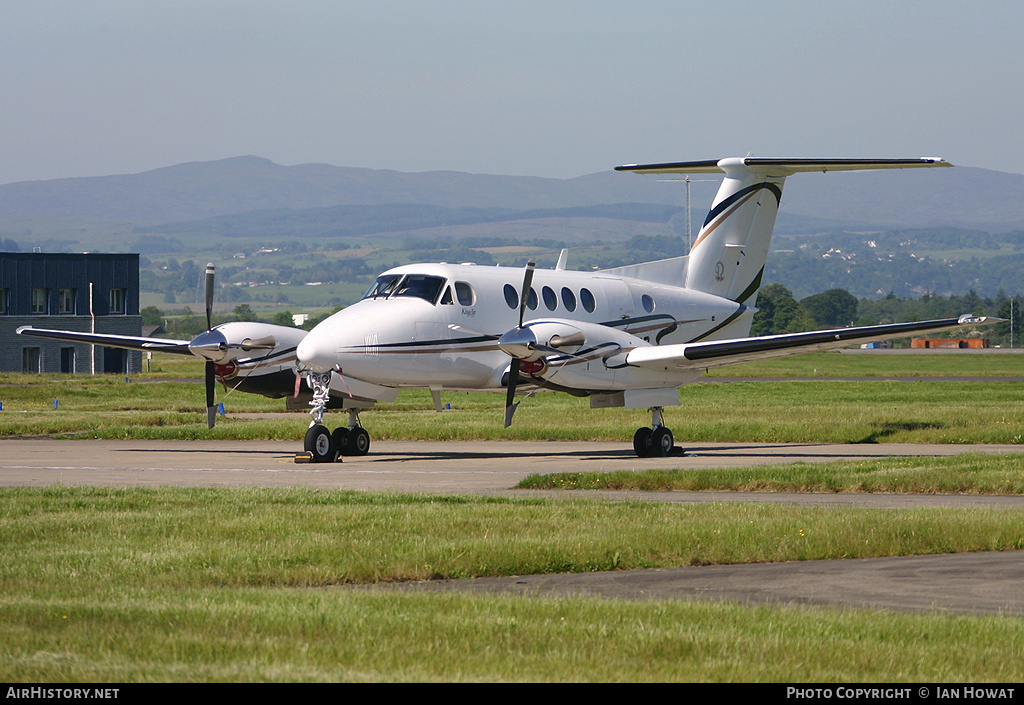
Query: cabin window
x=465, y=294
x=550, y=300
x=422, y=286
x=568, y=299
x=383, y=286
x=532, y=300
x=511, y=296
x=588, y=301
x=647, y=302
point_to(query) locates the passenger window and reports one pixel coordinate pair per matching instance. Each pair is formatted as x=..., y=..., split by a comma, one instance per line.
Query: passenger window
x=647, y=302
x=588, y=301
x=531, y=299
x=568, y=299
x=550, y=300
x=465, y=294
x=511, y=296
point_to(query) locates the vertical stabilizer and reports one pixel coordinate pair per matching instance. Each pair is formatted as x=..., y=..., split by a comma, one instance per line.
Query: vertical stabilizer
x=729, y=254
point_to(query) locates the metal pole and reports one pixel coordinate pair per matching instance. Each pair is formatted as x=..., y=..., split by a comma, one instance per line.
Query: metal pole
x=92, y=329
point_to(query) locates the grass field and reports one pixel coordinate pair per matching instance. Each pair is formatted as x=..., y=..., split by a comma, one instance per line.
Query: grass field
x=247, y=585
x=159, y=405
x=107, y=584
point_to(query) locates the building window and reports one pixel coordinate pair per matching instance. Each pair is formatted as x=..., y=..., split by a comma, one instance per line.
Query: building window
x=67, y=359
x=3, y=302
x=30, y=360
x=39, y=297
x=117, y=301
x=66, y=301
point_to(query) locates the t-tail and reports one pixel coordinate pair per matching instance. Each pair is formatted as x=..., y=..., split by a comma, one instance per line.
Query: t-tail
x=728, y=257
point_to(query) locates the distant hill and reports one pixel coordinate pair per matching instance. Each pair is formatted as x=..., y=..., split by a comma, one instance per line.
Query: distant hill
x=201, y=190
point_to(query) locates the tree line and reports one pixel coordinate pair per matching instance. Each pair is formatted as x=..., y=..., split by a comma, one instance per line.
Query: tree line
x=780, y=312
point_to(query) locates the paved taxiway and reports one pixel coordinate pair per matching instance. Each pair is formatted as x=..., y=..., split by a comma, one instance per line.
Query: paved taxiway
x=982, y=582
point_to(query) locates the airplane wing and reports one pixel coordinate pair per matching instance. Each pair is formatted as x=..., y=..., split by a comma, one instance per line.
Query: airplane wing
x=128, y=342
x=727, y=352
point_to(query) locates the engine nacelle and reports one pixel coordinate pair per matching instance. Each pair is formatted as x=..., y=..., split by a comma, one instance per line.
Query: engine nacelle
x=586, y=356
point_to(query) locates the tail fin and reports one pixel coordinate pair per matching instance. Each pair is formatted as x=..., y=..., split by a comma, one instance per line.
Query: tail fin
x=728, y=256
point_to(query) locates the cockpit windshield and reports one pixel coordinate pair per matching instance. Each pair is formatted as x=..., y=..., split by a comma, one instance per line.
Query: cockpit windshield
x=423, y=286
x=384, y=286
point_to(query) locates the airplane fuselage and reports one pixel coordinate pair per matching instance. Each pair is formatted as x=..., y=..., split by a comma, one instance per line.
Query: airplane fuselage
x=437, y=325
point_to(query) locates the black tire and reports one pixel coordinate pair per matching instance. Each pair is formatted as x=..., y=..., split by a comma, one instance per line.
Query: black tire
x=319, y=444
x=641, y=442
x=340, y=437
x=660, y=443
x=357, y=442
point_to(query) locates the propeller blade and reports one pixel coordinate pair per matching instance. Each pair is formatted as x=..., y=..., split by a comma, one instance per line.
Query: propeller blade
x=209, y=295
x=298, y=385
x=211, y=383
x=527, y=284
x=513, y=380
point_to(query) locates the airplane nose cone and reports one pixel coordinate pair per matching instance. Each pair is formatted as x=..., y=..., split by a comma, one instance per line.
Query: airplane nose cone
x=317, y=352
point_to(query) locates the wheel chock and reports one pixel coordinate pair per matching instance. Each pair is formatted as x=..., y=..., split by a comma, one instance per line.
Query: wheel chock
x=306, y=457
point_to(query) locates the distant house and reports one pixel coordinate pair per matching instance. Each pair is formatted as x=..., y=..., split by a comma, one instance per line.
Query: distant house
x=82, y=292
x=964, y=343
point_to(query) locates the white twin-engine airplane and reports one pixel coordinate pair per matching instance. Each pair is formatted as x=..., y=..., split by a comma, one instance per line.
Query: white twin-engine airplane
x=628, y=336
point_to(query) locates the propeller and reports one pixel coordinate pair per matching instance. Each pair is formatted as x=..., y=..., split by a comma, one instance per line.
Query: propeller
x=513, y=371
x=213, y=345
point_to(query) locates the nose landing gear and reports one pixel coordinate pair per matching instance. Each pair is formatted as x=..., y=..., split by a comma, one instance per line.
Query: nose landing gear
x=321, y=445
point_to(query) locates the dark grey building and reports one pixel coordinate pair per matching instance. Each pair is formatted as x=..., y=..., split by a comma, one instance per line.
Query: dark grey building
x=81, y=292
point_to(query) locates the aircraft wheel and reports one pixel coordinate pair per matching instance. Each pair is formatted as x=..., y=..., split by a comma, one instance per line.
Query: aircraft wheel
x=320, y=445
x=340, y=438
x=357, y=442
x=660, y=443
x=641, y=442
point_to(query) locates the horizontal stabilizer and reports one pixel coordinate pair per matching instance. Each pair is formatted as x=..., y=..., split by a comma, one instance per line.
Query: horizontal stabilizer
x=780, y=167
x=728, y=352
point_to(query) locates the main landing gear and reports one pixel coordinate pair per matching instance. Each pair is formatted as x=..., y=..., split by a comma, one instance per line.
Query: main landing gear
x=321, y=444
x=655, y=442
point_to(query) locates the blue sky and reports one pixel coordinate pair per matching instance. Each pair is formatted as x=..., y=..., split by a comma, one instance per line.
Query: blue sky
x=555, y=88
